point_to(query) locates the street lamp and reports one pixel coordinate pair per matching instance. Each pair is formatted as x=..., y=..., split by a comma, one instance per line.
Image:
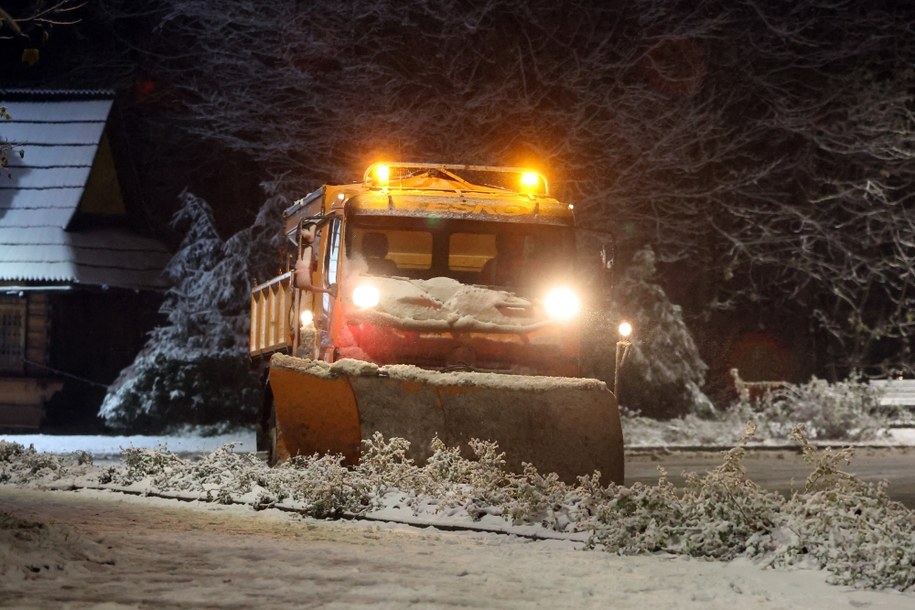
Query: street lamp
x=622, y=350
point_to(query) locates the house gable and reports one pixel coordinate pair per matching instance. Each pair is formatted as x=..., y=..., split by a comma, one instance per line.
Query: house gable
x=63, y=215
x=103, y=197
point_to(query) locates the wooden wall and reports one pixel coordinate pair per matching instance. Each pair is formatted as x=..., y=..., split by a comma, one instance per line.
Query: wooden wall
x=26, y=385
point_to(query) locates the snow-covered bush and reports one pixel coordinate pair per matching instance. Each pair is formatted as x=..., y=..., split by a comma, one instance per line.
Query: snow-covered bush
x=635, y=519
x=19, y=464
x=837, y=523
x=448, y=480
x=385, y=463
x=326, y=486
x=846, y=410
x=720, y=515
x=848, y=526
x=140, y=463
x=724, y=514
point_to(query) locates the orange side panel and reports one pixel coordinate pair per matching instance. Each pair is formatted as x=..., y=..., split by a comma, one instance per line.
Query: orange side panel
x=314, y=415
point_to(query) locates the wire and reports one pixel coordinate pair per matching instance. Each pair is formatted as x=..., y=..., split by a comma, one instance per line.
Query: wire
x=66, y=374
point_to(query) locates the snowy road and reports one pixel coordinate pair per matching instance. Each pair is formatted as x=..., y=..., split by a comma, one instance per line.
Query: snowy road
x=109, y=550
x=781, y=470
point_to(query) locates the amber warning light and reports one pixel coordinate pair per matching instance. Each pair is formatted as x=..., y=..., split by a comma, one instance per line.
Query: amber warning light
x=382, y=174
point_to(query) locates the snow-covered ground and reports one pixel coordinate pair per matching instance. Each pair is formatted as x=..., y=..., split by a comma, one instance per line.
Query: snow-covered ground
x=113, y=551
x=99, y=446
x=102, y=547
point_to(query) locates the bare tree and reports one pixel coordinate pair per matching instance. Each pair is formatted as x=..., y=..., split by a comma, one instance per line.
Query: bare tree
x=766, y=147
x=26, y=20
x=34, y=20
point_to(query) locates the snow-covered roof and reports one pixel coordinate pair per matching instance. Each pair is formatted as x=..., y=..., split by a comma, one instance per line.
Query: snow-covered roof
x=63, y=137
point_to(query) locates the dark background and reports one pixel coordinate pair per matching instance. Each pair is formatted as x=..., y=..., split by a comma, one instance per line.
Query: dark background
x=762, y=150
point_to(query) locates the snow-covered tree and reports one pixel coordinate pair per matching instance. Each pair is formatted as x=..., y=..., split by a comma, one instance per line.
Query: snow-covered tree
x=194, y=370
x=664, y=373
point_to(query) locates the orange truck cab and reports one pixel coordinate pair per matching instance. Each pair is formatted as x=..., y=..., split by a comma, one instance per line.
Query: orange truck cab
x=427, y=268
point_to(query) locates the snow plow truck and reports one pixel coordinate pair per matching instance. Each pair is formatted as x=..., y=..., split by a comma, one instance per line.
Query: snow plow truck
x=432, y=300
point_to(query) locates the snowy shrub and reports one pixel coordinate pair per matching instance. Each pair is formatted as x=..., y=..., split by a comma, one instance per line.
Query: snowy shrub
x=721, y=515
x=19, y=464
x=476, y=487
x=724, y=514
x=445, y=467
x=837, y=523
x=543, y=499
x=846, y=410
x=140, y=464
x=222, y=469
x=385, y=463
x=10, y=452
x=636, y=519
x=325, y=486
x=848, y=526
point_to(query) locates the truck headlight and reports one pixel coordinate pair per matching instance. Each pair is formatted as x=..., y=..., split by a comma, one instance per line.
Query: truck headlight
x=562, y=303
x=366, y=296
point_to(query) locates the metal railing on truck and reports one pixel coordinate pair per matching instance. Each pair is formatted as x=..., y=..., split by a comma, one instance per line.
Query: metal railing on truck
x=271, y=303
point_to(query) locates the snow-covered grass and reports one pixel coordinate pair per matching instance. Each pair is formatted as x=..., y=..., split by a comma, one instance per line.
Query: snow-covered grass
x=838, y=523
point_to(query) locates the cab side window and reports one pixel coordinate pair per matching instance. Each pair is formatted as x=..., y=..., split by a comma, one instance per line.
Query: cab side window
x=332, y=255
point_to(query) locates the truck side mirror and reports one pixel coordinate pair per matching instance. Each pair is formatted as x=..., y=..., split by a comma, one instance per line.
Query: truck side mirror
x=301, y=276
x=303, y=269
x=307, y=234
x=304, y=264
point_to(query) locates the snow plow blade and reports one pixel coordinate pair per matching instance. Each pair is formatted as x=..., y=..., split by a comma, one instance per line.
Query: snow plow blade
x=563, y=425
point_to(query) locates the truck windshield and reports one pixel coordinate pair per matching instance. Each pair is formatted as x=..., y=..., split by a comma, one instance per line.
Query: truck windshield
x=502, y=254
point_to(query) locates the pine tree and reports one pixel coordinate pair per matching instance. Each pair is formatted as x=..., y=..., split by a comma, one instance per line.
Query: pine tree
x=664, y=373
x=194, y=369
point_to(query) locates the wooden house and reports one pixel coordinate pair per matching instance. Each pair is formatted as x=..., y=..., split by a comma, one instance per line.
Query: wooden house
x=80, y=279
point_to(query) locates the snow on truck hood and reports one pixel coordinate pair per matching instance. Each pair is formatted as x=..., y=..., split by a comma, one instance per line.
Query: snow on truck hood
x=443, y=303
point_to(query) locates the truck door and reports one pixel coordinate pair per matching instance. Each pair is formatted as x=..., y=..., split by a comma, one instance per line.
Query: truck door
x=331, y=280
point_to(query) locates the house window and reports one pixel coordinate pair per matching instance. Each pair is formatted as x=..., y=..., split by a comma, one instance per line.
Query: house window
x=12, y=334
